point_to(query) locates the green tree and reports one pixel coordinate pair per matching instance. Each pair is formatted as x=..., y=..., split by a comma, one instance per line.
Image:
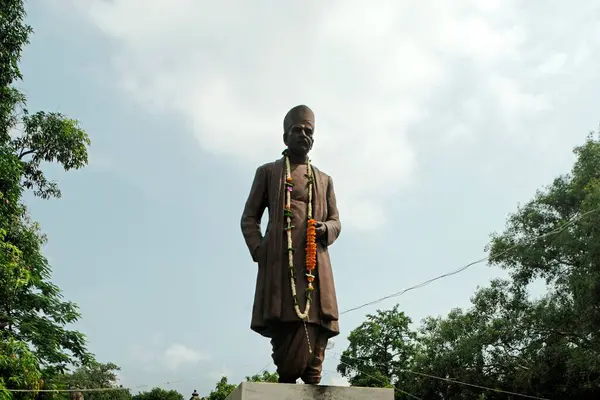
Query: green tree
x=224, y=389
x=568, y=260
x=18, y=369
x=564, y=324
x=221, y=391
x=266, y=376
x=482, y=345
x=33, y=315
x=14, y=35
x=95, y=375
x=379, y=349
x=159, y=394
x=546, y=347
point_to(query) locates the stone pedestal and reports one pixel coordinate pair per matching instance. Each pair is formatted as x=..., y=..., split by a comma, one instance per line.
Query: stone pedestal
x=281, y=391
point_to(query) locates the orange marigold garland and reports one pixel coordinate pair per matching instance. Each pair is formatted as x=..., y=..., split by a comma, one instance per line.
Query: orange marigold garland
x=311, y=237
x=311, y=252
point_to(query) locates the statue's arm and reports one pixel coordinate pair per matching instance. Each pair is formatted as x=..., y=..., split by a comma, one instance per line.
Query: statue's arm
x=253, y=211
x=333, y=224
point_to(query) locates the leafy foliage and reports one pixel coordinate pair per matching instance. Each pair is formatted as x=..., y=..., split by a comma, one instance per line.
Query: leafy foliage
x=224, y=389
x=159, y=394
x=18, y=369
x=546, y=347
x=34, y=311
x=14, y=35
x=33, y=316
x=95, y=375
x=221, y=391
x=266, y=376
x=49, y=137
x=377, y=350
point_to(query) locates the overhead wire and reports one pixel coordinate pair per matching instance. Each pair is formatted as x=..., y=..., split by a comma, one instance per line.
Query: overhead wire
x=106, y=389
x=451, y=380
x=102, y=389
x=263, y=369
x=476, y=386
x=376, y=301
x=461, y=269
x=555, y=231
x=412, y=396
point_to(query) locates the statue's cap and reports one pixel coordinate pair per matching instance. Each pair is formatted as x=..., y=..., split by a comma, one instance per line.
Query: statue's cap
x=299, y=115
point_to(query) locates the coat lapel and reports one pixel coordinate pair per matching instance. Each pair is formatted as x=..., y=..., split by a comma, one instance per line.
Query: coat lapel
x=319, y=202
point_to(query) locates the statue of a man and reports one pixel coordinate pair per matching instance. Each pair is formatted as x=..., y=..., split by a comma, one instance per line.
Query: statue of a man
x=295, y=302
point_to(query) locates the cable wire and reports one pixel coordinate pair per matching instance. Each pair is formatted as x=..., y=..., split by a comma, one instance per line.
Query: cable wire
x=555, y=231
x=263, y=369
x=65, y=390
x=429, y=281
x=475, y=386
x=412, y=396
x=104, y=389
x=397, y=294
x=448, y=380
x=107, y=389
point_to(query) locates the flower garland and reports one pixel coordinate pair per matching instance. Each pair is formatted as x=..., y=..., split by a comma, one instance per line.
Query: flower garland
x=311, y=236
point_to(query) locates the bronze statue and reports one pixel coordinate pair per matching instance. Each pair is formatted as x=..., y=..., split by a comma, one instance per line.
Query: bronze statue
x=295, y=303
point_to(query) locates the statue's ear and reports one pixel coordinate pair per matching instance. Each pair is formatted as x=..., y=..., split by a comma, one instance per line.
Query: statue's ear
x=285, y=138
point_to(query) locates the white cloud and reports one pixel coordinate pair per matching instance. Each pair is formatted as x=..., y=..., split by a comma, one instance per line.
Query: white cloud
x=153, y=354
x=338, y=380
x=513, y=101
x=231, y=70
x=554, y=64
x=217, y=375
x=144, y=351
x=177, y=355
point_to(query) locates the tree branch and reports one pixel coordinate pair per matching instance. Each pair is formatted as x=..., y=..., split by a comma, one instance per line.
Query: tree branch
x=24, y=153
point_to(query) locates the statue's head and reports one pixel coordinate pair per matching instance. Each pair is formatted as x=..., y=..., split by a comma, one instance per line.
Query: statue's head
x=298, y=129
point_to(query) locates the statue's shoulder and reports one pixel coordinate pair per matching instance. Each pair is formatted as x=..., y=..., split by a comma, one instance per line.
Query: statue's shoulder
x=267, y=167
x=265, y=170
x=319, y=172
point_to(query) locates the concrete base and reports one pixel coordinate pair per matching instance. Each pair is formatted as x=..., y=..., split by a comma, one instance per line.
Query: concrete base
x=281, y=391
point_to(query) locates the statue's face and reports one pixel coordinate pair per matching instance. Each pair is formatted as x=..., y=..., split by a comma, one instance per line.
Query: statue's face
x=299, y=139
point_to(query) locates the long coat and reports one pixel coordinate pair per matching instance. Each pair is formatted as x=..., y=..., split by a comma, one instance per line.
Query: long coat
x=267, y=193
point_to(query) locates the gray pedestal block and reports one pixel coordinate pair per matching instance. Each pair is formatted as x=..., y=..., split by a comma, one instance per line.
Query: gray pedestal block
x=281, y=391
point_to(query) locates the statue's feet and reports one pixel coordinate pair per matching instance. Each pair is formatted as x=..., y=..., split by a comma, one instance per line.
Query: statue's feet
x=312, y=373
x=311, y=380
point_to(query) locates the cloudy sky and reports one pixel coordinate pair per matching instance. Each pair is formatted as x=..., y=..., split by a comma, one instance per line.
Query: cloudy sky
x=433, y=118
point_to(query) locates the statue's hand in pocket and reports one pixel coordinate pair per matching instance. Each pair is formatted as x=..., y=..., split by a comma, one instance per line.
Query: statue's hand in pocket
x=261, y=251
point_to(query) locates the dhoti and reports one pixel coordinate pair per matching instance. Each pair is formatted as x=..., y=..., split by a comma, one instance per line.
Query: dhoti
x=291, y=351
